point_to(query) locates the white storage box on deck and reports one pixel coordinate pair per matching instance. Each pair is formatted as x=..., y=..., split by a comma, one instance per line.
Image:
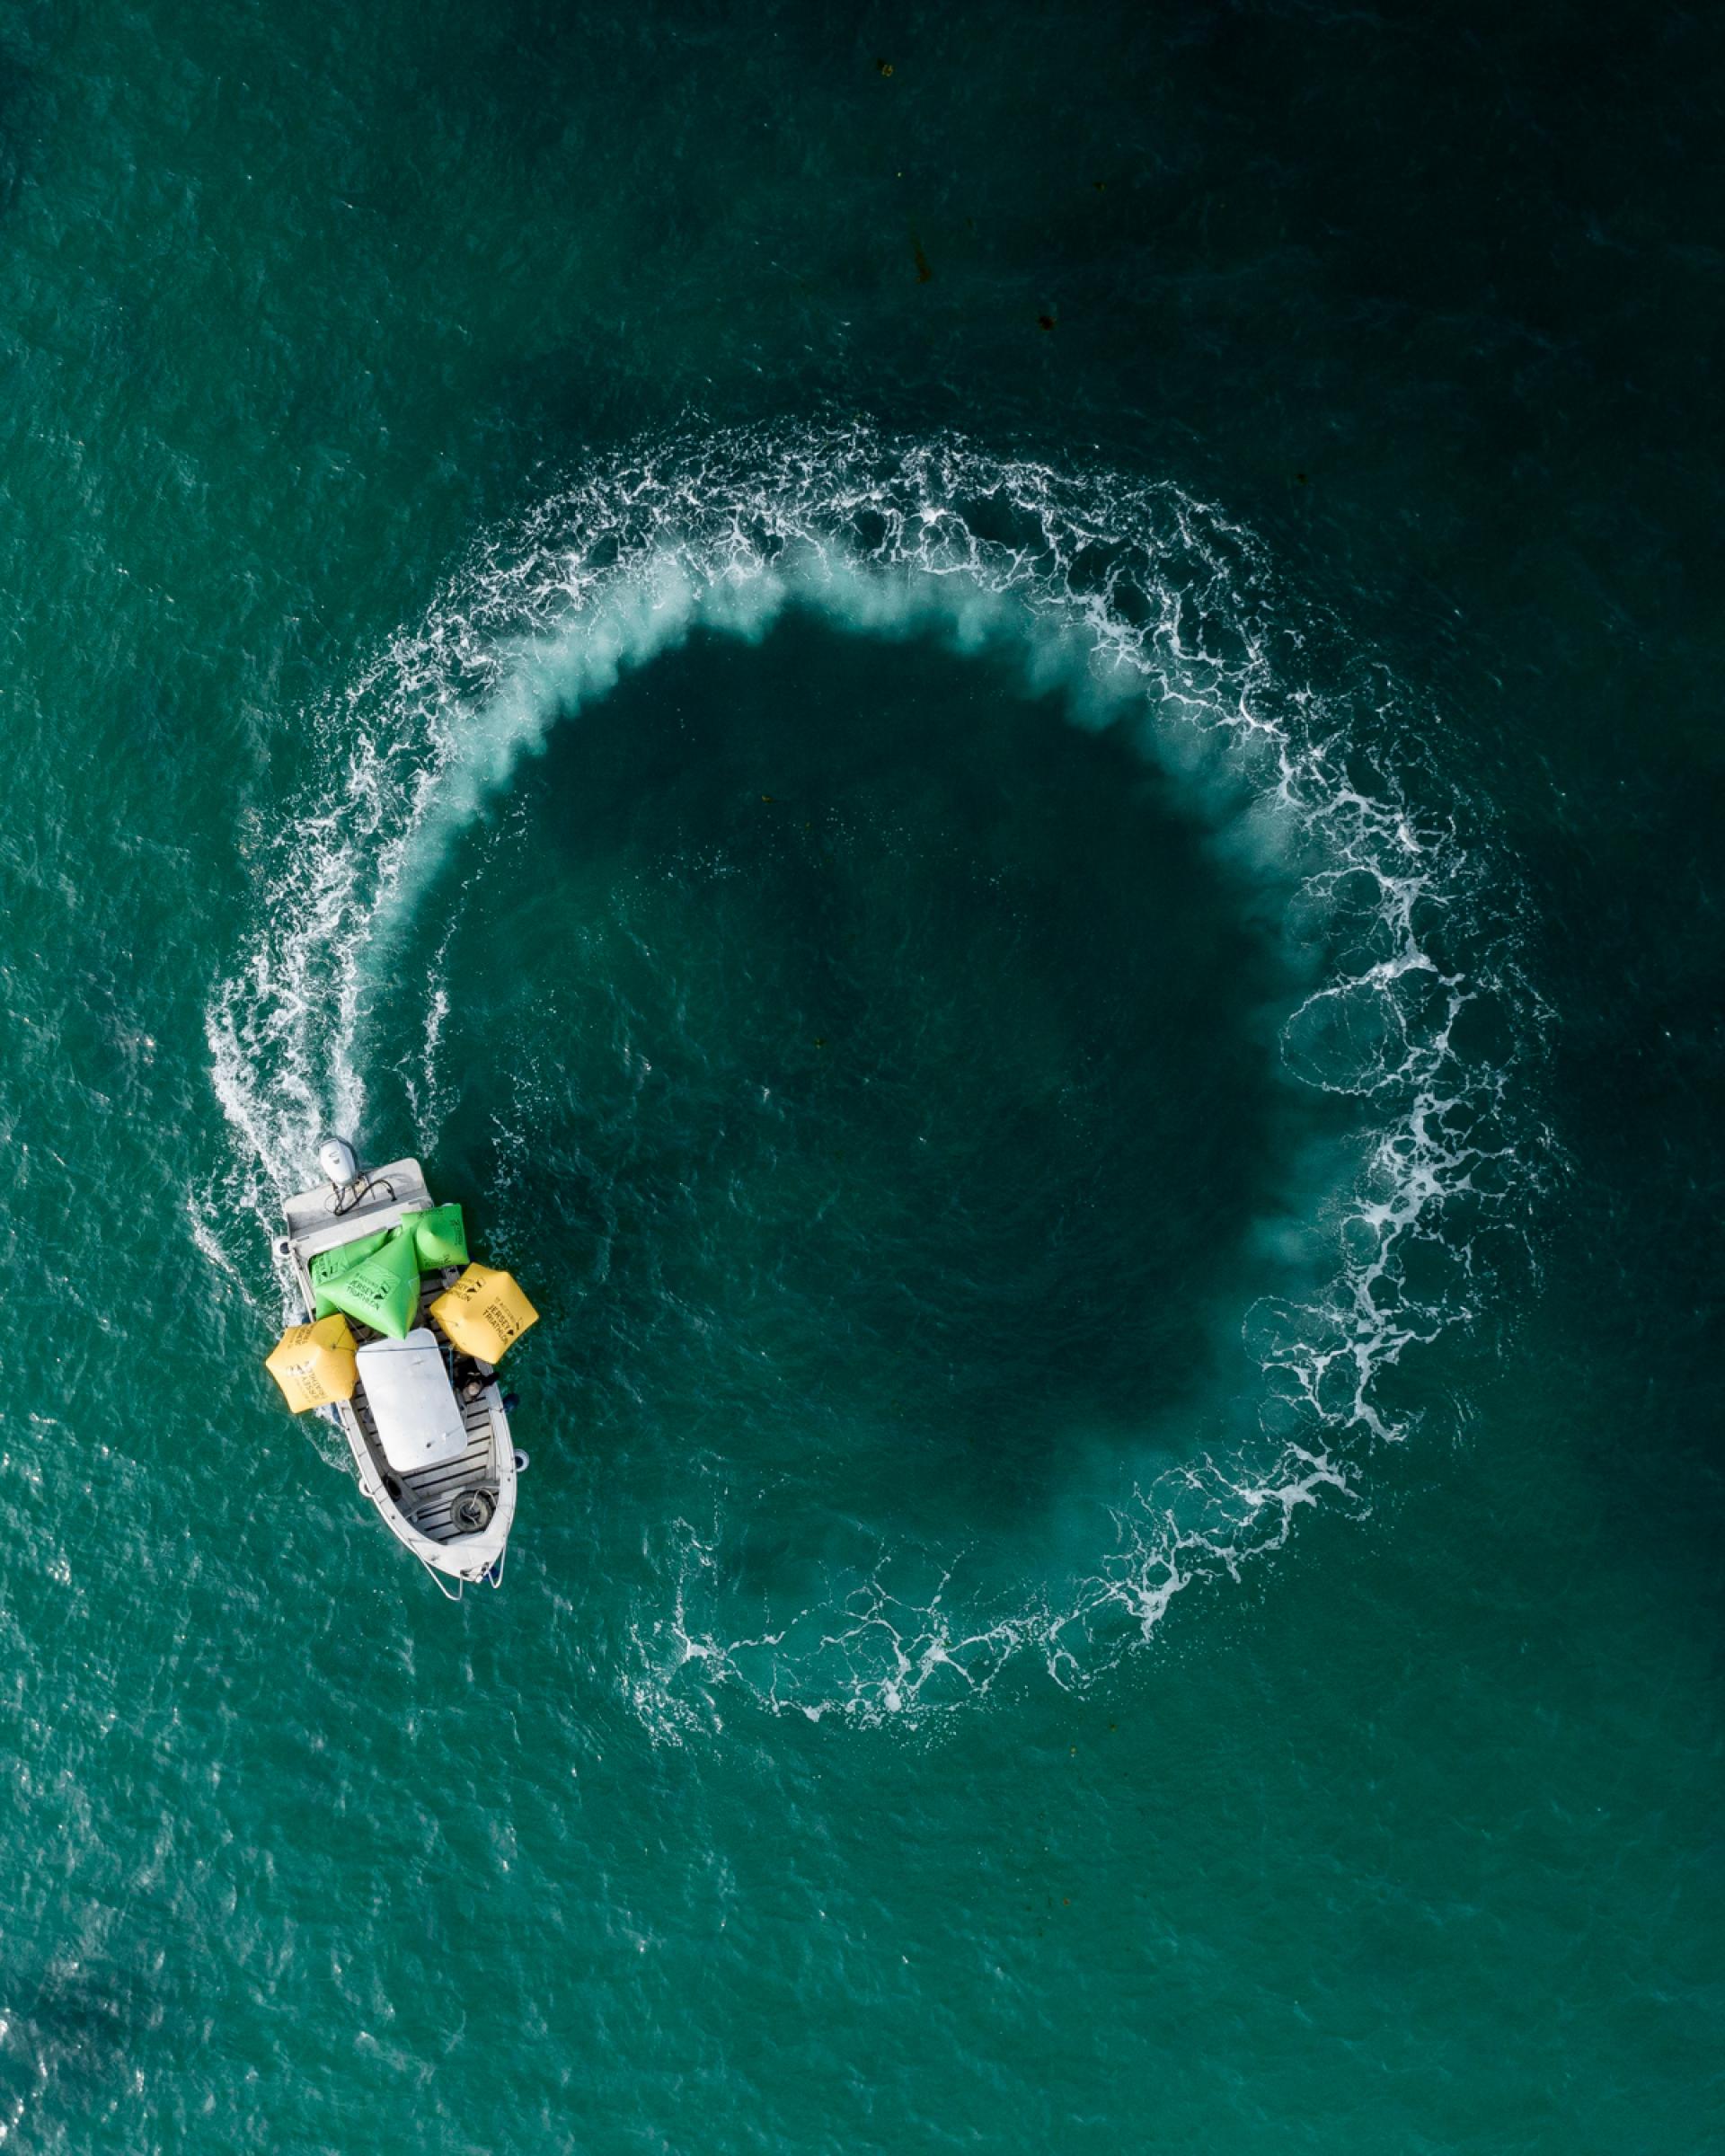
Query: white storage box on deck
x=412, y=1402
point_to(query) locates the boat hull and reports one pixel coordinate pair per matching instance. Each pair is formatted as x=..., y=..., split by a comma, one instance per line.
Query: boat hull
x=429, y=1512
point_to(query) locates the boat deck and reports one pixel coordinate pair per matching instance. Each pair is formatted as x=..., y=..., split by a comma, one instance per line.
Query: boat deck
x=429, y=1493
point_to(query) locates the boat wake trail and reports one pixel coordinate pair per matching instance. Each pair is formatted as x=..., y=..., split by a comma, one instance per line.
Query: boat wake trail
x=1154, y=612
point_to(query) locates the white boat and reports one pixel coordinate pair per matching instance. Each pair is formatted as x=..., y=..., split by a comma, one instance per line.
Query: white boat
x=426, y=1424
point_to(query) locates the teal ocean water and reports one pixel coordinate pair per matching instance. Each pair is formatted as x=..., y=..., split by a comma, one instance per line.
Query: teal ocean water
x=1000, y=728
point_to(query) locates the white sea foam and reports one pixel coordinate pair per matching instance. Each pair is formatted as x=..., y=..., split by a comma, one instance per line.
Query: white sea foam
x=1150, y=608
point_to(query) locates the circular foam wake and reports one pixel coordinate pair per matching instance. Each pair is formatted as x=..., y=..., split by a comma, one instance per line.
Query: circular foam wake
x=1153, y=611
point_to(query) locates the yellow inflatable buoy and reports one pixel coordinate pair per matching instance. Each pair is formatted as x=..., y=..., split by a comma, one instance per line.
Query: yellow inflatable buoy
x=483, y=1313
x=313, y=1365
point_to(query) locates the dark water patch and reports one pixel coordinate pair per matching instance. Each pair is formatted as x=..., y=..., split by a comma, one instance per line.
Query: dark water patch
x=76, y=2033
x=916, y=1057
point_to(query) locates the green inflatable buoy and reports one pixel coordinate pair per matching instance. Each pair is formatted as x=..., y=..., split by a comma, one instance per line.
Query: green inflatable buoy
x=383, y=1290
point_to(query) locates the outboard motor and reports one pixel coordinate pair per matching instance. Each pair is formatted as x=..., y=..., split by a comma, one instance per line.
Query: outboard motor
x=335, y=1158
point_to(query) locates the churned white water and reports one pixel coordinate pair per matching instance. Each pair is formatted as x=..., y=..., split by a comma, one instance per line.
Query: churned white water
x=1151, y=613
